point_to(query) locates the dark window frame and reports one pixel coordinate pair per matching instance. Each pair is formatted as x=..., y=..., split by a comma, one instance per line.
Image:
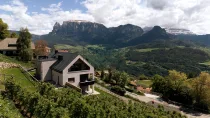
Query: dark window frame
x=72, y=80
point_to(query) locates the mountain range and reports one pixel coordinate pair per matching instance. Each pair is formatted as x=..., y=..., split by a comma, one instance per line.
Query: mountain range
x=77, y=32
x=133, y=49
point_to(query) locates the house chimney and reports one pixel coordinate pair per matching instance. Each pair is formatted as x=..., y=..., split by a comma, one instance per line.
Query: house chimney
x=60, y=57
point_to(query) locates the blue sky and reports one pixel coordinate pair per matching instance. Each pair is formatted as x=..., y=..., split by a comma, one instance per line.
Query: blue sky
x=39, y=16
x=36, y=5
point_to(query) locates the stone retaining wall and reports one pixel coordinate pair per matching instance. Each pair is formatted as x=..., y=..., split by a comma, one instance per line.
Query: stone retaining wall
x=4, y=65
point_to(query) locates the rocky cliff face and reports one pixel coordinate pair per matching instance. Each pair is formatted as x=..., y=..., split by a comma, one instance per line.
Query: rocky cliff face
x=126, y=33
x=96, y=33
x=71, y=27
x=80, y=32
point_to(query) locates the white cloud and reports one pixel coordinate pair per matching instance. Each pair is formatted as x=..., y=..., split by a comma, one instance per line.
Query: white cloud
x=158, y=4
x=188, y=14
x=38, y=23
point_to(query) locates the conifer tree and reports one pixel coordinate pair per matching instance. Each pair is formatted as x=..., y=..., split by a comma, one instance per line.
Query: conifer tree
x=24, y=45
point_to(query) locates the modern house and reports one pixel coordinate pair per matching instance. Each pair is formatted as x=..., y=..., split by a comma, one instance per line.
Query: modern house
x=67, y=69
x=8, y=46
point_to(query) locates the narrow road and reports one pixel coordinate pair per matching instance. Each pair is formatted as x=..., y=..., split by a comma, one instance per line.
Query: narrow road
x=139, y=97
x=170, y=107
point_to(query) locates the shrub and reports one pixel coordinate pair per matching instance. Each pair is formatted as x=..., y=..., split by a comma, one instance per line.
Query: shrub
x=119, y=90
x=129, y=89
x=143, y=77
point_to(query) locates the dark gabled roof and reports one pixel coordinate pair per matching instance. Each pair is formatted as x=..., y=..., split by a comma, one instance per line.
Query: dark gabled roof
x=48, y=59
x=60, y=65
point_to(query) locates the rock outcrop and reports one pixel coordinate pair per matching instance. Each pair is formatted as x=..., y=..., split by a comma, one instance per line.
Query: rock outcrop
x=94, y=33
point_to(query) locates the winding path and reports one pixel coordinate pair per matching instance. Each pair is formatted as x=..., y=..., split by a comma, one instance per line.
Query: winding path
x=149, y=100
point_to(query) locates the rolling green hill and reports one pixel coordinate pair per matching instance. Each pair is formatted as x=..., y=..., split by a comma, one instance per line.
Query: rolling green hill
x=148, y=59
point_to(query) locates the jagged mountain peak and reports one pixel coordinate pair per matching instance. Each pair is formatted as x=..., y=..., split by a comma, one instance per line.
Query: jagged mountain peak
x=57, y=24
x=157, y=31
x=128, y=28
x=173, y=31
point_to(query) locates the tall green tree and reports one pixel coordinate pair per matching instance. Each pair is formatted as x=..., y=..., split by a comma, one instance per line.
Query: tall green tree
x=24, y=45
x=201, y=88
x=120, y=78
x=159, y=84
x=176, y=79
x=3, y=30
x=13, y=35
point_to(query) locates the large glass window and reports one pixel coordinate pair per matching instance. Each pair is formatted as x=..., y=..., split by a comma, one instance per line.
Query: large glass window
x=78, y=66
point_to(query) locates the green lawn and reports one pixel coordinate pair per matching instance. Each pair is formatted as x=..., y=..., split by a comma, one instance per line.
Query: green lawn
x=16, y=72
x=145, y=83
x=95, y=47
x=72, y=49
x=8, y=109
x=19, y=77
x=78, y=49
x=206, y=63
x=147, y=49
x=104, y=93
x=205, y=49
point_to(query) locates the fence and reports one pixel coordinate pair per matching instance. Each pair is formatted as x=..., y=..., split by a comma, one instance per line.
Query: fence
x=74, y=87
x=28, y=75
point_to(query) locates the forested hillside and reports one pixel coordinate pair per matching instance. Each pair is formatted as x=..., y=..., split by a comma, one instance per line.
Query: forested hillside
x=160, y=60
x=148, y=59
x=202, y=39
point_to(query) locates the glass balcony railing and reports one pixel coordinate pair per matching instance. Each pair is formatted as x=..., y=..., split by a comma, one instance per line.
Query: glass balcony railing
x=87, y=82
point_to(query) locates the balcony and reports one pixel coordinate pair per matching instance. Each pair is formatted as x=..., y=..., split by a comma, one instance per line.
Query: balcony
x=79, y=71
x=87, y=82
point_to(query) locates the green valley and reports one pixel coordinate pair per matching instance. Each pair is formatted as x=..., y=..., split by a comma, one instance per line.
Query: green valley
x=142, y=60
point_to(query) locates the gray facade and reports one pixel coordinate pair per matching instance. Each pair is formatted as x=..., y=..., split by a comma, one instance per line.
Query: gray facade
x=77, y=72
x=43, y=69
